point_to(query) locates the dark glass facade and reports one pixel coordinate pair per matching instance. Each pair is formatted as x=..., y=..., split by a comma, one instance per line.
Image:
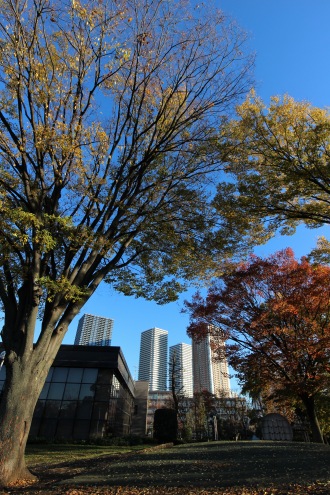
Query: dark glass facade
x=88, y=393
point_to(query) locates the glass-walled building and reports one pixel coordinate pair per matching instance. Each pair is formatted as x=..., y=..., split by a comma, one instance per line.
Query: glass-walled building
x=89, y=393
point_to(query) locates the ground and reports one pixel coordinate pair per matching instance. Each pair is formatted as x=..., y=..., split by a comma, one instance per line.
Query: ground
x=222, y=468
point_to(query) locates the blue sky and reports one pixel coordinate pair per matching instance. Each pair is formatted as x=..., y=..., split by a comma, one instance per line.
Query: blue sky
x=291, y=40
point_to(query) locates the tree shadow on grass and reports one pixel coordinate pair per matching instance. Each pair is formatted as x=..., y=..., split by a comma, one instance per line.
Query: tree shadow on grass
x=215, y=465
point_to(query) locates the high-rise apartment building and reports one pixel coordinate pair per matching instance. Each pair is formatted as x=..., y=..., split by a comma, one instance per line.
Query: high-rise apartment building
x=153, y=358
x=180, y=366
x=209, y=373
x=94, y=330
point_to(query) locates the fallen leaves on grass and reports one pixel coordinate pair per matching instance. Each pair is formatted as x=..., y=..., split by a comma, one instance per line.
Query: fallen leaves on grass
x=294, y=489
x=205, y=469
x=22, y=483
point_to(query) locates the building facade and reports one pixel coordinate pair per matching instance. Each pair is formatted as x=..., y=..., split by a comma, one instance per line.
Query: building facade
x=210, y=373
x=180, y=367
x=154, y=358
x=139, y=420
x=94, y=330
x=89, y=393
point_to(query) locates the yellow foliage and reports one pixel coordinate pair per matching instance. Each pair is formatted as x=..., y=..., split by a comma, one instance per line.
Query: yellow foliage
x=63, y=287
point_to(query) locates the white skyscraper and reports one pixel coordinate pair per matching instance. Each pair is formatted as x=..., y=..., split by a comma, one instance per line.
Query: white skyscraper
x=182, y=368
x=94, y=330
x=153, y=358
x=209, y=373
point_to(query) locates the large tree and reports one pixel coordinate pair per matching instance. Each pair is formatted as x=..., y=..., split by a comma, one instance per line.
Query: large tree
x=276, y=311
x=278, y=162
x=105, y=112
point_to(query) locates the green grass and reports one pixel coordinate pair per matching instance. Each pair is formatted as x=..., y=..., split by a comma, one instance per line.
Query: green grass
x=213, y=468
x=58, y=453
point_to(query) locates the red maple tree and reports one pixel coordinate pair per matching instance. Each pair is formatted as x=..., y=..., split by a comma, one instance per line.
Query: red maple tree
x=276, y=313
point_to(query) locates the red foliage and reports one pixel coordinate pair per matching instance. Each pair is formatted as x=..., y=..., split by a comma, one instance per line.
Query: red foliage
x=276, y=311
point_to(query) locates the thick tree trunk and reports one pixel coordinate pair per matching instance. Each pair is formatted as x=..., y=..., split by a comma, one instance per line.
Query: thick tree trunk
x=309, y=404
x=22, y=389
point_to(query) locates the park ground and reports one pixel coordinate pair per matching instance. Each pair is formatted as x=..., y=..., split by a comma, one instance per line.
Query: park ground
x=222, y=468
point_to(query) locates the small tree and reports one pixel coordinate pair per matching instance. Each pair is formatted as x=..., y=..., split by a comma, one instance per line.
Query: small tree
x=200, y=417
x=277, y=312
x=105, y=112
x=233, y=417
x=203, y=404
x=176, y=373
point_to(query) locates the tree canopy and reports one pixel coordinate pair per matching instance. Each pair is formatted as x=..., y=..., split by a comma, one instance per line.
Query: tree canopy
x=276, y=313
x=104, y=113
x=277, y=159
x=106, y=110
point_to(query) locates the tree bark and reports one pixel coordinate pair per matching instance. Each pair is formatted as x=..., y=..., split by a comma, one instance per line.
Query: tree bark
x=21, y=391
x=309, y=404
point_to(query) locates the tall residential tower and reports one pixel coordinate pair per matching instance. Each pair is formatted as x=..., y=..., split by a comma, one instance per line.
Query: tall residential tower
x=209, y=373
x=180, y=366
x=94, y=330
x=153, y=358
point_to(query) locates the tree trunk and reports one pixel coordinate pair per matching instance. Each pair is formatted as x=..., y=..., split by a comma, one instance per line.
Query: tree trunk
x=22, y=389
x=309, y=404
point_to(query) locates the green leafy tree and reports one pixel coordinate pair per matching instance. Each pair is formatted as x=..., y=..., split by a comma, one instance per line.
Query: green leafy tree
x=199, y=417
x=233, y=417
x=105, y=112
x=203, y=404
x=278, y=162
x=323, y=407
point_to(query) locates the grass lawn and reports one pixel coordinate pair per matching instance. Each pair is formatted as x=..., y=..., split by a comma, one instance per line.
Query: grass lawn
x=214, y=468
x=37, y=454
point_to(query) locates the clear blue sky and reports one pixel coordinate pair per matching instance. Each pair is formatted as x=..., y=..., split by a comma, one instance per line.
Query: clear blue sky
x=291, y=40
